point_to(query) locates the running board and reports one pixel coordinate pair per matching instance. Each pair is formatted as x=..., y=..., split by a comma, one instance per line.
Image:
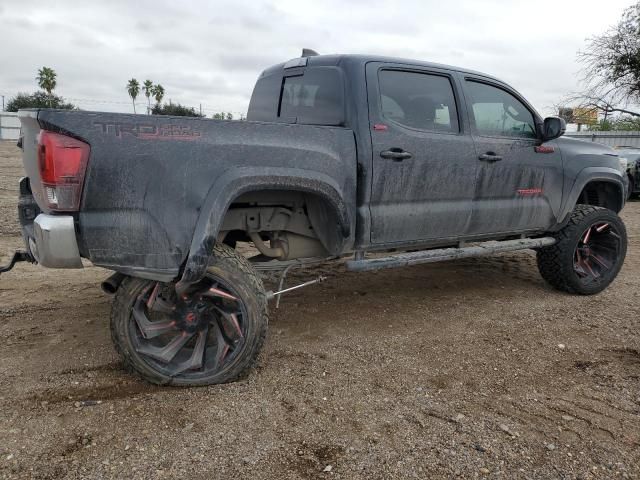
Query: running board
x=443, y=254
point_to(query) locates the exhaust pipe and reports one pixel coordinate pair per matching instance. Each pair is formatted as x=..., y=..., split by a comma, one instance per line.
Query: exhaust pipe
x=111, y=284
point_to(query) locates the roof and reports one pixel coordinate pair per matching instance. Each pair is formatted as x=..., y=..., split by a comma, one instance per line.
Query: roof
x=333, y=60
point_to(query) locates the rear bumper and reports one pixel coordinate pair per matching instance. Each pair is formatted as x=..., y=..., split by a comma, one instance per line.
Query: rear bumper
x=50, y=239
x=53, y=243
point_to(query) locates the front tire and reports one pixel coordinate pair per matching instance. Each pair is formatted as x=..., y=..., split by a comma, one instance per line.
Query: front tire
x=588, y=254
x=212, y=334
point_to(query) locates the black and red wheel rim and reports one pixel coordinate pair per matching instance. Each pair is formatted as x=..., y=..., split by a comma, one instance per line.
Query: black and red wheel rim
x=597, y=252
x=193, y=336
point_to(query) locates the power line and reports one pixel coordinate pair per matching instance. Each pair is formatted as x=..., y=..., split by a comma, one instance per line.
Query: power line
x=94, y=101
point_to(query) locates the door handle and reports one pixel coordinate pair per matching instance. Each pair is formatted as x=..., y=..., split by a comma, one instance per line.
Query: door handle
x=490, y=157
x=396, y=154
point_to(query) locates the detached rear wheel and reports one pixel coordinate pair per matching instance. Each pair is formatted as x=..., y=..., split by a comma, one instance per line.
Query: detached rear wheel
x=588, y=254
x=211, y=334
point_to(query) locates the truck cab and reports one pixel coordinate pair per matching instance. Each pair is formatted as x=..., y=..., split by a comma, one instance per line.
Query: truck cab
x=443, y=154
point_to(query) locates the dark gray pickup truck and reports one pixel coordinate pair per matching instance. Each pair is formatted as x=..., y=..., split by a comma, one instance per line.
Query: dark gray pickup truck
x=395, y=162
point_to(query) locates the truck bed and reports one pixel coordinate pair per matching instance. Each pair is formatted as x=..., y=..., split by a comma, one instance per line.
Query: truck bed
x=150, y=180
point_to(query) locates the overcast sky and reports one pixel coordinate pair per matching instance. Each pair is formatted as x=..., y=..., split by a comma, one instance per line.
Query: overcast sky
x=211, y=52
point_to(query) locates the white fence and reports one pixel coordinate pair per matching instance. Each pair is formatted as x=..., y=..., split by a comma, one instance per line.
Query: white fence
x=9, y=126
x=612, y=138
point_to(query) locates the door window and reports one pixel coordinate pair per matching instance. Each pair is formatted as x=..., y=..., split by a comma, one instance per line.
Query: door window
x=498, y=113
x=418, y=100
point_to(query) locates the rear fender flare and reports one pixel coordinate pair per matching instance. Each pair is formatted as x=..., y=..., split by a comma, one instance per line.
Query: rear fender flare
x=237, y=181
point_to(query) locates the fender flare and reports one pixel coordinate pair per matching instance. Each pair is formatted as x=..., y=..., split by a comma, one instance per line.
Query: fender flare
x=588, y=175
x=233, y=183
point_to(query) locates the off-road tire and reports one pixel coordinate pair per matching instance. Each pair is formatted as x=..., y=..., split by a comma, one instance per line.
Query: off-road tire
x=226, y=264
x=556, y=262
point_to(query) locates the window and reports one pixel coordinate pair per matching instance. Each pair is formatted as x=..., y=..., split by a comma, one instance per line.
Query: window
x=499, y=113
x=264, y=99
x=315, y=97
x=419, y=100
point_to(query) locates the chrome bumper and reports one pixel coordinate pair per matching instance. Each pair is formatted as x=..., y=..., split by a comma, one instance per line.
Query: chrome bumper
x=53, y=243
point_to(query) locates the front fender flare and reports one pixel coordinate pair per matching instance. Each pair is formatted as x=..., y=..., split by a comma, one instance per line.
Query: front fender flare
x=237, y=181
x=587, y=175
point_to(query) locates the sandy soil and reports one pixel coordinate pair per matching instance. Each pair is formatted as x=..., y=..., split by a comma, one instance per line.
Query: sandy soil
x=474, y=369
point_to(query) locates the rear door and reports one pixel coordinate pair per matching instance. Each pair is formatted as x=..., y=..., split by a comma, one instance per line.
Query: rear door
x=519, y=180
x=424, y=162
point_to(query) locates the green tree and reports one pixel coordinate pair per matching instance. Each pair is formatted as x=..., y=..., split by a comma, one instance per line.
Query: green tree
x=147, y=86
x=133, y=88
x=223, y=116
x=47, y=80
x=158, y=93
x=37, y=100
x=175, y=109
x=622, y=123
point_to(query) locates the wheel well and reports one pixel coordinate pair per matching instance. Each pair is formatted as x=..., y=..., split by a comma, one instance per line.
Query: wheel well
x=602, y=194
x=301, y=217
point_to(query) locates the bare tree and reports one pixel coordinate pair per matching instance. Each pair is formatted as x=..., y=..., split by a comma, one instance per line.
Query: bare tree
x=612, y=68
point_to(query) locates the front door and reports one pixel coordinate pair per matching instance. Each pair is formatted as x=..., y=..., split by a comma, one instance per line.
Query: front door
x=519, y=181
x=424, y=161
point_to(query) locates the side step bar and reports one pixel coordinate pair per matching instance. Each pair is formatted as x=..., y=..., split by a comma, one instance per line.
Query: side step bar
x=442, y=254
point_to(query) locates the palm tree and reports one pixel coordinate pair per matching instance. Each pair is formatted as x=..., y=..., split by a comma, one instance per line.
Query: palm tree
x=147, y=86
x=133, y=87
x=158, y=93
x=47, y=80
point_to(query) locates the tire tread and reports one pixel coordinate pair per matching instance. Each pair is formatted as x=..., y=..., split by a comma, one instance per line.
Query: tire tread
x=552, y=260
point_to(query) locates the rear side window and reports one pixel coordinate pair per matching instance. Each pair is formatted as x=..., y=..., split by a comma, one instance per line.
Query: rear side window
x=264, y=99
x=316, y=97
x=419, y=100
x=498, y=113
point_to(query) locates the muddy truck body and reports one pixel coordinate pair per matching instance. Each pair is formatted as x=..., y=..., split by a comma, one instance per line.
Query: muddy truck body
x=340, y=155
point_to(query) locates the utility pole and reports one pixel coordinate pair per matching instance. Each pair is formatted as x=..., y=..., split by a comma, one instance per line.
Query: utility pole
x=3, y=103
x=200, y=109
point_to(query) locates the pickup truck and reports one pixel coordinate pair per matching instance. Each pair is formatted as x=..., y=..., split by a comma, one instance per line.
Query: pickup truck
x=632, y=155
x=392, y=162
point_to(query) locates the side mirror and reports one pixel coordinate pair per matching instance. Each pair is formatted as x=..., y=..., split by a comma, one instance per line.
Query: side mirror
x=552, y=128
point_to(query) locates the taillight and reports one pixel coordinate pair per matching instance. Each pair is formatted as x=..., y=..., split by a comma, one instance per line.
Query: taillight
x=63, y=163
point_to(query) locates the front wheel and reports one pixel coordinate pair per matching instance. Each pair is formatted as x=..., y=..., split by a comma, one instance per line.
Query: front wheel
x=212, y=334
x=588, y=254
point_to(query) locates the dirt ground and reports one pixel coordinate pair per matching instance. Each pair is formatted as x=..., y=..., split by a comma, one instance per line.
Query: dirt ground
x=475, y=369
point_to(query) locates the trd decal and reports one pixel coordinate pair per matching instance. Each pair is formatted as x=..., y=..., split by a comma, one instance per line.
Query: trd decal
x=148, y=131
x=544, y=149
x=529, y=191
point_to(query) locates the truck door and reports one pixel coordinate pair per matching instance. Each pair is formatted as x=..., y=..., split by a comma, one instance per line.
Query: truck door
x=519, y=182
x=424, y=162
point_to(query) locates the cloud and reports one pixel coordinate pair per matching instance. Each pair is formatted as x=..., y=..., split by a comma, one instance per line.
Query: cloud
x=211, y=53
